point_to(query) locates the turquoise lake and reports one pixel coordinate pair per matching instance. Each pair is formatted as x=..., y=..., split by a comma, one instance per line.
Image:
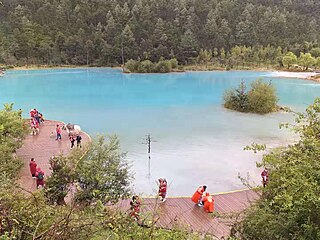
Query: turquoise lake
x=196, y=140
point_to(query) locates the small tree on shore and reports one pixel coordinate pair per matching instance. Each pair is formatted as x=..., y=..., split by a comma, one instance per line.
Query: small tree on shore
x=289, y=59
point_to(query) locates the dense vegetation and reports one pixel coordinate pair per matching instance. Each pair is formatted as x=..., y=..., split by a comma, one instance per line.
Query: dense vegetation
x=289, y=207
x=146, y=66
x=261, y=98
x=100, y=174
x=95, y=32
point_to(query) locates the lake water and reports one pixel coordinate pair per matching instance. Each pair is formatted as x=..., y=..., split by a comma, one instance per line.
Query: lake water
x=196, y=140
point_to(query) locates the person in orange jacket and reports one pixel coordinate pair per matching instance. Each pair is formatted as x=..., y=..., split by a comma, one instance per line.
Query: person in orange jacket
x=198, y=194
x=208, y=204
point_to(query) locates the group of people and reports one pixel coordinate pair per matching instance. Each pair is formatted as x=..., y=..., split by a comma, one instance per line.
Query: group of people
x=201, y=197
x=72, y=138
x=36, y=173
x=36, y=118
x=77, y=139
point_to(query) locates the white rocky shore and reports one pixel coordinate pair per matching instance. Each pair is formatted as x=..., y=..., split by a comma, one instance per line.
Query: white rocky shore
x=306, y=75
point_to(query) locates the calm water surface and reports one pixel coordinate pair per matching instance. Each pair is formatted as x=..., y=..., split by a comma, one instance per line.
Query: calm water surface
x=196, y=140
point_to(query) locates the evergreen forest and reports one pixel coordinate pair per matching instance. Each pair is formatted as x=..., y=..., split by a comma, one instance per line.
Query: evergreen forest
x=99, y=32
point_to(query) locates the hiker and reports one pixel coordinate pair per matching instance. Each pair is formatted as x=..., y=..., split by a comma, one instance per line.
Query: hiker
x=198, y=194
x=135, y=207
x=208, y=203
x=162, y=189
x=58, y=131
x=265, y=177
x=33, y=168
x=78, y=138
x=40, y=177
x=72, y=140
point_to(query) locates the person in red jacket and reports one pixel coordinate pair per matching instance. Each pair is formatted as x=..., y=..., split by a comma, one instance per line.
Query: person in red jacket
x=33, y=167
x=135, y=207
x=265, y=177
x=198, y=194
x=162, y=189
x=58, y=131
x=40, y=177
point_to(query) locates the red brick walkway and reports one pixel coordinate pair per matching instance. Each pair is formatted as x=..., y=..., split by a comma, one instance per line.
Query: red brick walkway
x=182, y=212
x=41, y=147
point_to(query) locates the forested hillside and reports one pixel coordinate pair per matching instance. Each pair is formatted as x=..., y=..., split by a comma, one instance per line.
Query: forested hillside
x=95, y=31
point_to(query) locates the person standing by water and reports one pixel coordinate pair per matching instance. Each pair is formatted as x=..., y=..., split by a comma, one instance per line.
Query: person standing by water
x=162, y=189
x=58, y=131
x=33, y=168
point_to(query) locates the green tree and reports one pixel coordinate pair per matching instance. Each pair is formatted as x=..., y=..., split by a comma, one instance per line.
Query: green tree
x=237, y=99
x=306, y=60
x=289, y=59
x=289, y=205
x=102, y=173
x=262, y=97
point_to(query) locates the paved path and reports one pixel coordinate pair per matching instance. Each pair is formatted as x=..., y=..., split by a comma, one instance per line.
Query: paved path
x=182, y=212
x=41, y=147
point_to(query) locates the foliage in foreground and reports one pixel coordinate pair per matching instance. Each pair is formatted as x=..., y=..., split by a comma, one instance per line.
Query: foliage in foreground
x=12, y=132
x=290, y=205
x=25, y=215
x=261, y=98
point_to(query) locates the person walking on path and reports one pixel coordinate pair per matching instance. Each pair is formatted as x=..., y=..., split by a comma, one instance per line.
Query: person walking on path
x=33, y=168
x=78, y=138
x=58, y=131
x=40, y=178
x=72, y=140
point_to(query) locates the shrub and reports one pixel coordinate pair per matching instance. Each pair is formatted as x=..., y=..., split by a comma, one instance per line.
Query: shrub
x=146, y=66
x=174, y=62
x=262, y=97
x=237, y=99
x=132, y=65
x=163, y=66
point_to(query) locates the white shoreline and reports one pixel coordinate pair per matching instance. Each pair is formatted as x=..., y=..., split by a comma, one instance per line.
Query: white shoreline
x=305, y=75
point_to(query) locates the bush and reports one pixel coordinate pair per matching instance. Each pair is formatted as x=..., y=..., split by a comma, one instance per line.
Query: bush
x=132, y=65
x=289, y=204
x=146, y=66
x=174, y=62
x=260, y=99
x=237, y=99
x=163, y=66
